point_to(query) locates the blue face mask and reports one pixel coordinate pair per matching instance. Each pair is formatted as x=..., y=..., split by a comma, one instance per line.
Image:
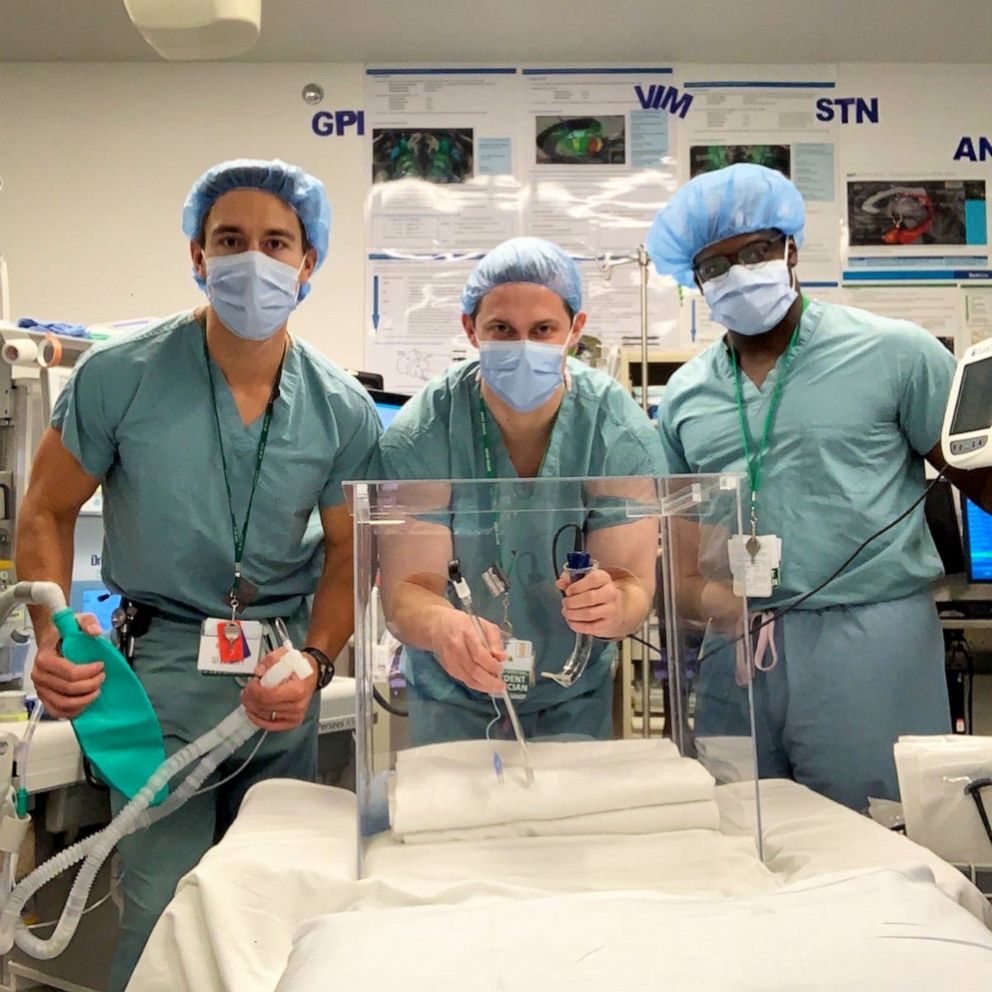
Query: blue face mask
x=751, y=300
x=251, y=293
x=523, y=374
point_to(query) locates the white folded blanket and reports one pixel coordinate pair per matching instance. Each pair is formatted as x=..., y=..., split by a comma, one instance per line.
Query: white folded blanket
x=454, y=787
x=643, y=820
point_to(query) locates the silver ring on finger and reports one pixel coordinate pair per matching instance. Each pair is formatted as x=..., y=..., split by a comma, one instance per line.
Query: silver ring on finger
x=272, y=716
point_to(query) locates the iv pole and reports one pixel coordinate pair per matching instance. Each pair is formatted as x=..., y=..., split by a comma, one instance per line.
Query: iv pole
x=606, y=265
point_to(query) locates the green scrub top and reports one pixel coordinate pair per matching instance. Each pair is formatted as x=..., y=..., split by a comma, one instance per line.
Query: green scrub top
x=599, y=431
x=137, y=415
x=863, y=402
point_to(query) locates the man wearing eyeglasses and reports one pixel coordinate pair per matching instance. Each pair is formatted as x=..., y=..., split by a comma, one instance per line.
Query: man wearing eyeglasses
x=829, y=413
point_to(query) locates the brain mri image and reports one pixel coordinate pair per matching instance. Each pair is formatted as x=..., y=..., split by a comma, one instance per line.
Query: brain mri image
x=580, y=140
x=707, y=158
x=898, y=213
x=438, y=156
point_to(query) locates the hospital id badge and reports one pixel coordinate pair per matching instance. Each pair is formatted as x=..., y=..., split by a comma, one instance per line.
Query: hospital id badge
x=229, y=647
x=755, y=574
x=518, y=669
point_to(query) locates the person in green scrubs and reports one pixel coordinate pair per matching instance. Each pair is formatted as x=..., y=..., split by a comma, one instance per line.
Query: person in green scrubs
x=829, y=412
x=221, y=443
x=522, y=411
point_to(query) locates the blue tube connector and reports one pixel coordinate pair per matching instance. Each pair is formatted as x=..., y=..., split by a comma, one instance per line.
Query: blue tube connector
x=577, y=563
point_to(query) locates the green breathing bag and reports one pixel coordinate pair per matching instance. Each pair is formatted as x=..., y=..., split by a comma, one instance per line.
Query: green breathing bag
x=119, y=731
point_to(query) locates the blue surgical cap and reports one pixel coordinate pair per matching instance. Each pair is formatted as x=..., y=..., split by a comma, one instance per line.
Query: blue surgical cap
x=304, y=193
x=525, y=260
x=716, y=205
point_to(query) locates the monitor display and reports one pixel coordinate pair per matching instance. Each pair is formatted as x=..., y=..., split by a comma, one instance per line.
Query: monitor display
x=973, y=411
x=86, y=597
x=387, y=412
x=387, y=404
x=978, y=542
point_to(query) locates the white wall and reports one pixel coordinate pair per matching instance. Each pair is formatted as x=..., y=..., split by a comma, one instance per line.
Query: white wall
x=96, y=161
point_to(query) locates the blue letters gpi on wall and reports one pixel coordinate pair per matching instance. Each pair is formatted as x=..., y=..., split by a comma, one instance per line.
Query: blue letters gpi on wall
x=337, y=123
x=848, y=109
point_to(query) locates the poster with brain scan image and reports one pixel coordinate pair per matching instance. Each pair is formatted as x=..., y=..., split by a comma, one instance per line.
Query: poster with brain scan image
x=708, y=158
x=903, y=213
x=580, y=140
x=436, y=155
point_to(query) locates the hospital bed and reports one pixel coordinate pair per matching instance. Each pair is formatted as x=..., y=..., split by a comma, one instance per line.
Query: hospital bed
x=278, y=903
x=63, y=803
x=728, y=886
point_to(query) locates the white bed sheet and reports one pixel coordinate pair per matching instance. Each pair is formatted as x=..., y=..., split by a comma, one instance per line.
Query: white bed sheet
x=231, y=923
x=289, y=857
x=807, y=835
x=640, y=820
x=883, y=931
x=452, y=786
x=687, y=861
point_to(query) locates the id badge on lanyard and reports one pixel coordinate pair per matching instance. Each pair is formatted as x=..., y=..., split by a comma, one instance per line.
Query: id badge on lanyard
x=518, y=669
x=756, y=559
x=229, y=647
x=754, y=564
x=242, y=591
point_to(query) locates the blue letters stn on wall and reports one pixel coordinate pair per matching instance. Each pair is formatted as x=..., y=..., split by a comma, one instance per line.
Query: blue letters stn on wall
x=848, y=109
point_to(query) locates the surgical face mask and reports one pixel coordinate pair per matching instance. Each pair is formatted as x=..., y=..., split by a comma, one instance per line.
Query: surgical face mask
x=524, y=374
x=751, y=299
x=252, y=294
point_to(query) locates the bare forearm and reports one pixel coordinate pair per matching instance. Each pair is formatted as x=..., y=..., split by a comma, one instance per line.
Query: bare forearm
x=44, y=553
x=976, y=484
x=333, y=618
x=689, y=597
x=414, y=613
x=635, y=603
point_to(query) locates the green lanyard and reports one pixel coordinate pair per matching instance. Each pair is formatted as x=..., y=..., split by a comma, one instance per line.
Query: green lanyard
x=241, y=590
x=755, y=458
x=487, y=454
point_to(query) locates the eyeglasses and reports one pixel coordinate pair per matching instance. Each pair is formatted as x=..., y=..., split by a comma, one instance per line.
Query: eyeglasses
x=753, y=253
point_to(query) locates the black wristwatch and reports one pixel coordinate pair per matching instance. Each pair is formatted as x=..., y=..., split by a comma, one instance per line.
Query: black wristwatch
x=325, y=667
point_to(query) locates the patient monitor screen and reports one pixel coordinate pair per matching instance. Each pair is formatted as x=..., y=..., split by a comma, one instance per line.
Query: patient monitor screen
x=974, y=408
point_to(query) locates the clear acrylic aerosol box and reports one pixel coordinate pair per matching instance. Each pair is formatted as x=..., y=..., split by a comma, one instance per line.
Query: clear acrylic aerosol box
x=542, y=661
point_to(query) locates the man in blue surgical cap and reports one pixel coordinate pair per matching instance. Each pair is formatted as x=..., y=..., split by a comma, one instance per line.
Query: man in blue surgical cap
x=216, y=435
x=830, y=413
x=523, y=410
